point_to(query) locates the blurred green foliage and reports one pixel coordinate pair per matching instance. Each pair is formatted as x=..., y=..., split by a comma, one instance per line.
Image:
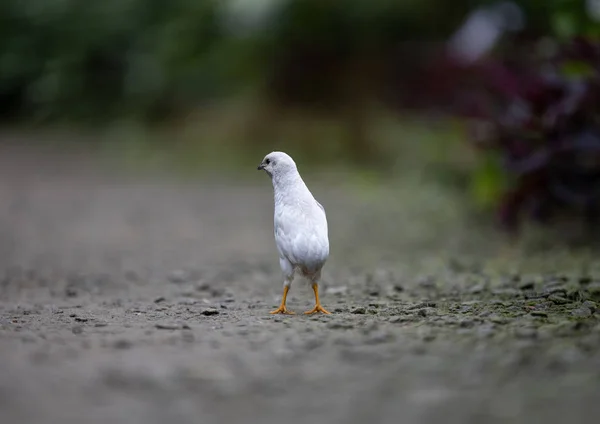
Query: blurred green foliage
x=98, y=60
x=95, y=61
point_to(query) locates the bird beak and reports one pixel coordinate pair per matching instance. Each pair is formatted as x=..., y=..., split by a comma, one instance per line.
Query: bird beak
x=260, y=167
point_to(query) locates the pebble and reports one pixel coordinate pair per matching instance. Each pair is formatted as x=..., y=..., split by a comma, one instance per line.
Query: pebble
x=497, y=319
x=425, y=312
x=360, y=310
x=420, y=305
x=177, y=276
x=340, y=325
x=581, y=312
x=428, y=336
x=70, y=292
x=210, y=311
x=527, y=285
x=558, y=300
x=122, y=344
x=202, y=286
x=426, y=283
x=398, y=288
x=159, y=299
x=476, y=289
x=172, y=326
x=403, y=318
x=540, y=314
x=590, y=305
x=556, y=290
x=339, y=290
x=466, y=323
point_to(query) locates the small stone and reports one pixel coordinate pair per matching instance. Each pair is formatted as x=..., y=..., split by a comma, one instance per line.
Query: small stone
x=496, y=319
x=203, y=286
x=340, y=325
x=527, y=285
x=540, y=314
x=100, y=324
x=476, y=289
x=122, y=344
x=403, y=318
x=360, y=310
x=79, y=319
x=178, y=276
x=70, y=292
x=576, y=294
x=398, y=287
x=558, y=300
x=210, y=311
x=590, y=305
x=559, y=290
x=425, y=312
x=425, y=304
x=466, y=323
x=338, y=290
x=426, y=283
x=429, y=337
x=581, y=312
x=168, y=326
x=159, y=299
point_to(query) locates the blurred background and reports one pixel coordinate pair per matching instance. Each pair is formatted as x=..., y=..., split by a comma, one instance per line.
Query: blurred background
x=455, y=145
x=494, y=101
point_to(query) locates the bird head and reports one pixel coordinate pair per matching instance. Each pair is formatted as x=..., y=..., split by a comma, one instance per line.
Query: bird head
x=277, y=164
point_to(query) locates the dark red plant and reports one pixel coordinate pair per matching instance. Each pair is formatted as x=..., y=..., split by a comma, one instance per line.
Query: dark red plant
x=543, y=119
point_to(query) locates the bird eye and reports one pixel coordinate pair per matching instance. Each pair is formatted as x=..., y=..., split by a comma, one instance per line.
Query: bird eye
x=267, y=161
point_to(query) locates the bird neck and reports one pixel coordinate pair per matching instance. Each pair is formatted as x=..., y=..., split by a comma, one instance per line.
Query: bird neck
x=288, y=185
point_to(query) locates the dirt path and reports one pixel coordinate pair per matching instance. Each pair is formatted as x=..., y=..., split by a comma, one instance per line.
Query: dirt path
x=137, y=301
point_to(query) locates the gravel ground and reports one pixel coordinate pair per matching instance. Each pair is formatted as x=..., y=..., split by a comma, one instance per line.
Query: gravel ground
x=146, y=300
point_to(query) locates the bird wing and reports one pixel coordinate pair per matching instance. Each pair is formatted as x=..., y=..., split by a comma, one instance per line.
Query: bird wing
x=319, y=205
x=301, y=236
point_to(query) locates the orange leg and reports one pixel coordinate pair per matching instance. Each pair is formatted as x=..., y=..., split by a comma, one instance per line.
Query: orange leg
x=282, y=309
x=318, y=307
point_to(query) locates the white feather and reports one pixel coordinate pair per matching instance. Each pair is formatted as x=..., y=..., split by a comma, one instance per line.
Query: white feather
x=300, y=222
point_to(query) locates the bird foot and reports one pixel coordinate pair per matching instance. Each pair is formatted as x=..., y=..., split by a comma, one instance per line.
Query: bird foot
x=282, y=310
x=317, y=308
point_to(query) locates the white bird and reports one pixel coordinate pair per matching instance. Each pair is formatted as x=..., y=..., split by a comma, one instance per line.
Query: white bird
x=300, y=227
